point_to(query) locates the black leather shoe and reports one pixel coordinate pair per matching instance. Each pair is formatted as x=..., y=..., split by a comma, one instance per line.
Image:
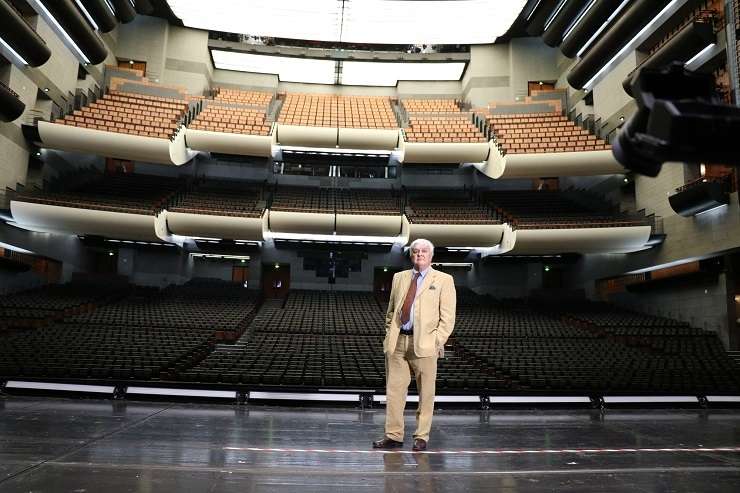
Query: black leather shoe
x=419, y=445
x=386, y=442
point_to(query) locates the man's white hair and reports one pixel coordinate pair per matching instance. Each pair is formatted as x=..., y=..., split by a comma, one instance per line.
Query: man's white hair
x=422, y=241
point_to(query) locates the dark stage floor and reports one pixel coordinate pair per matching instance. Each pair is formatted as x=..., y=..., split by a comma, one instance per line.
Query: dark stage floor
x=56, y=445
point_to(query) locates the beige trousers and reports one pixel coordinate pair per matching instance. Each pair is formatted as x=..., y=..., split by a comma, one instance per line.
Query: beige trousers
x=399, y=365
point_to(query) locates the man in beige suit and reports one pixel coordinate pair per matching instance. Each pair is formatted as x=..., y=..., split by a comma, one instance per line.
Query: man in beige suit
x=420, y=318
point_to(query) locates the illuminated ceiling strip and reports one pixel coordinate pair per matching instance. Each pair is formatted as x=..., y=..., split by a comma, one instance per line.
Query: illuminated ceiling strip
x=578, y=19
x=699, y=55
x=631, y=45
x=58, y=28
x=110, y=6
x=219, y=256
x=15, y=248
x=12, y=52
x=531, y=12
x=555, y=14
x=601, y=29
x=87, y=15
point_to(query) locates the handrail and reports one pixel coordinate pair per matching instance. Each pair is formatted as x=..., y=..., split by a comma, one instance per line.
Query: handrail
x=724, y=180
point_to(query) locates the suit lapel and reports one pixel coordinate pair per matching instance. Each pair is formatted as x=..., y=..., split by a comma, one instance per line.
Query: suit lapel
x=428, y=279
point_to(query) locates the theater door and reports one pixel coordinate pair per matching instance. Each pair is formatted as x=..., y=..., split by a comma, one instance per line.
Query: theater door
x=275, y=280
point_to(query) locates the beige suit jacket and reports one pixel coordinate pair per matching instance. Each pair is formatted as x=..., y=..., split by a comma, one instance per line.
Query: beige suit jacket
x=434, y=311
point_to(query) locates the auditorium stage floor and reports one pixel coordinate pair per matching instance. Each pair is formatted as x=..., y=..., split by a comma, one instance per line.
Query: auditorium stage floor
x=55, y=445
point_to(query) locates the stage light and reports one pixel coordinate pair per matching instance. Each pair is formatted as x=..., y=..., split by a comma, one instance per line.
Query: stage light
x=381, y=398
x=502, y=399
x=310, y=396
x=649, y=399
x=221, y=394
x=67, y=387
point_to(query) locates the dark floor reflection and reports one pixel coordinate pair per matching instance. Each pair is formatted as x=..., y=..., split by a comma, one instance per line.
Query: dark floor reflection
x=51, y=444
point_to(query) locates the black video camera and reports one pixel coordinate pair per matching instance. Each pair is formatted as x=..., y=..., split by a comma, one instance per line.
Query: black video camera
x=679, y=118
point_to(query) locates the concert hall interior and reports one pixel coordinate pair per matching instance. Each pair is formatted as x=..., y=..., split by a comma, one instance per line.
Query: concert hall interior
x=210, y=213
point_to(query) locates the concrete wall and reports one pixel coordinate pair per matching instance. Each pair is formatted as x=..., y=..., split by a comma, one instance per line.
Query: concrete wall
x=704, y=234
x=609, y=95
x=152, y=268
x=530, y=60
x=13, y=146
x=702, y=305
x=62, y=67
x=188, y=62
x=145, y=39
x=242, y=80
x=59, y=75
x=67, y=249
x=356, y=281
x=179, y=56
x=267, y=82
x=174, y=55
x=503, y=279
x=443, y=89
x=488, y=76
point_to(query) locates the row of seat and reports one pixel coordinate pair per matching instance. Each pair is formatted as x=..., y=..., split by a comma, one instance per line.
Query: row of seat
x=130, y=194
x=330, y=200
x=440, y=120
x=541, y=133
x=337, y=111
x=322, y=339
x=132, y=114
x=537, y=209
x=147, y=194
x=448, y=209
x=430, y=105
x=252, y=98
x=146, y=334
x=221, y=198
